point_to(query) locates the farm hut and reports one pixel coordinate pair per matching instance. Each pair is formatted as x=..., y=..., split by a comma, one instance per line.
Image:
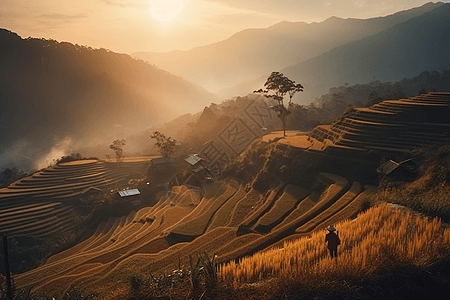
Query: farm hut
x=199, y=167
x=161, y=170
x=135, y=199
x=404, y=170
x=160, y=163
x=195, y=160
x=91, y=191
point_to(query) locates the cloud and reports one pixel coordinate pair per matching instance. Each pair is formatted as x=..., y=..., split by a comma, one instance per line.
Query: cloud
x=63, y=17
x=127, y=3
x=58, y=20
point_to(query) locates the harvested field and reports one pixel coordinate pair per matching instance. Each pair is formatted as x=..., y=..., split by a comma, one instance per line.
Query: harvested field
x=245, y=206
x=305, y=205
x=197, y=226
x=26, y=202
x=283, y=206
x=224, y=213
x=144, y=240
x=391, y=126
x=79, y=162
x=334, y=208
x=231, y=220
x=263, y=207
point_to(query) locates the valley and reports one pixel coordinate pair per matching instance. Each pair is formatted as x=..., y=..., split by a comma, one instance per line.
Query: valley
x=291, y=160
x=233, y=217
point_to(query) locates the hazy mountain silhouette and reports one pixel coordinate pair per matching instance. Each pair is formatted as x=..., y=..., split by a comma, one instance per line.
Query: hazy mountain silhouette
x=402, y=51
x=253, y=52
x=51, y=91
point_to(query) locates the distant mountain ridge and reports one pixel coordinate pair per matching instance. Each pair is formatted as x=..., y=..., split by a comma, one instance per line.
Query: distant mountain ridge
x=403, y=51
x=50, y=91
x=254, y=52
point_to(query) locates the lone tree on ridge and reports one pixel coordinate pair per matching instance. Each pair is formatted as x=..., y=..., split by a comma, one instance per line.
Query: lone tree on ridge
x=117, y=147
x=164, y=144
x=276, y=87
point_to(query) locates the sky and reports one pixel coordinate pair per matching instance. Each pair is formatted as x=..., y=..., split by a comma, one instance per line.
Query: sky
x=128, y=26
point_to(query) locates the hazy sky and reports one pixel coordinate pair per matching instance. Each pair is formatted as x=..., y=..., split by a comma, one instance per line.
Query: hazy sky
x=163, y=25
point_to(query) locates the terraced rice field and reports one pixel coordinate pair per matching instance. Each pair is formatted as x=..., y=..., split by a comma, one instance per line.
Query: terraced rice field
x=388, y=126
x=43, y=204
x=154, y=239
x=229, y=220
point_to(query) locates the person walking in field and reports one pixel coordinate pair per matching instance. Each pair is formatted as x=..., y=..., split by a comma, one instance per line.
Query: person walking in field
x=332, y=238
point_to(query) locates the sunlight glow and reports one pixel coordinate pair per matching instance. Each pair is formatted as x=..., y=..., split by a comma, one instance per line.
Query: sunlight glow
x=165, y=11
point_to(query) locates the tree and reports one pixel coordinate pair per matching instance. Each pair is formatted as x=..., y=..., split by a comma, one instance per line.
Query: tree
x=117, y=147
x=164, y=144
x=276, y=87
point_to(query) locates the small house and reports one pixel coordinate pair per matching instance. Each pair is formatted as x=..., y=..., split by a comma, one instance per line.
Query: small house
x=199, y=167
x=405, y=170
x=160, y=163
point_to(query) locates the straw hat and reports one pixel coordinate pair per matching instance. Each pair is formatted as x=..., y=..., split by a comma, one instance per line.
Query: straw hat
x=331, y=228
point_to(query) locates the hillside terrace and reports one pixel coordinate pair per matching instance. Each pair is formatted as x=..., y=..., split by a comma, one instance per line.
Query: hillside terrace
x=388, y=126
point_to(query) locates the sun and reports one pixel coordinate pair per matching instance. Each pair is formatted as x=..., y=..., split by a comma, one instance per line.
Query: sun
x=165, y=11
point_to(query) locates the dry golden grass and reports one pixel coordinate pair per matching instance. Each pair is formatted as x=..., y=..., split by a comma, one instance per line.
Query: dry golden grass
x=283, y=206
x=301, y=141
x=237, y=243
x=378, y=236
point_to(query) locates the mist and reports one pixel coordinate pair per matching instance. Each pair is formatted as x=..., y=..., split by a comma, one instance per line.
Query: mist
x=57, y=98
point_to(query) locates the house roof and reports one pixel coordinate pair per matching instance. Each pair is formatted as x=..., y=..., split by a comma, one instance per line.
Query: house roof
x=91, y=189
x=193, y=159
x=161, y=160
x=130, y=192
x=389, y=166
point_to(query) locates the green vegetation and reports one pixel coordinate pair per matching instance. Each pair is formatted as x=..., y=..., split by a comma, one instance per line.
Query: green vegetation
x=277, y=86
x=164, y=144
x=117, y=147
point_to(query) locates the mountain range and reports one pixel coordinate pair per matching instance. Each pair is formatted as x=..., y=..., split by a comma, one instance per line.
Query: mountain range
x=57, y=96
x=318, y=55
x=58, y=93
